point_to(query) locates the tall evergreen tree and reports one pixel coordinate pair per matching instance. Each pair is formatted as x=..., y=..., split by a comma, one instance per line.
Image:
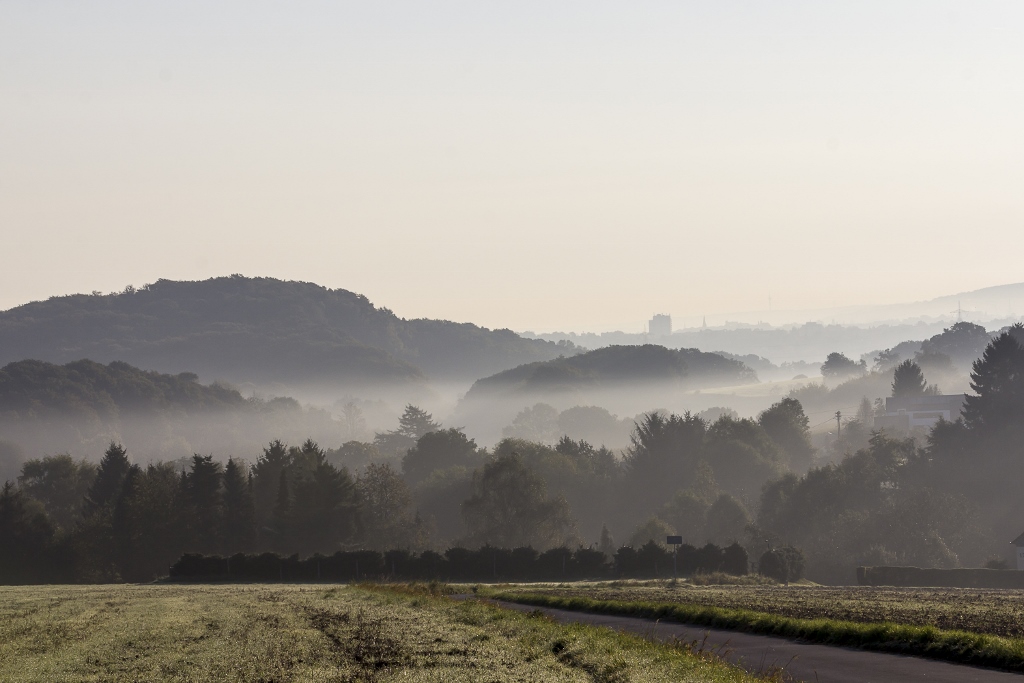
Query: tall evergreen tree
x=266, y=480
x=146, y=523
x=277, y=530
x=415, y=422
x=106, y=488
x=323, y=509
x=125, y=525
x=998, y=381
x=203, y=497
x=239, y=520
x=908, y=380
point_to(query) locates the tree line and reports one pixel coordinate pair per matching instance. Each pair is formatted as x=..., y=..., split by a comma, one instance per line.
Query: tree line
x=487, y=563
x=71, y=520
x=949, y=502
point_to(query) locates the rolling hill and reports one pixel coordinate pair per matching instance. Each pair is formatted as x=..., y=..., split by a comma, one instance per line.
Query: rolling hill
x=614, y=366
x=259, y=330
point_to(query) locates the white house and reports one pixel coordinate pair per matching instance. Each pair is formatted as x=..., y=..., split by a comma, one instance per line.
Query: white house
x=919, y=411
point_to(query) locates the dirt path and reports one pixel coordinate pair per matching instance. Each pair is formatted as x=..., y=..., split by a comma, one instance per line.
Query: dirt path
x=803, y=661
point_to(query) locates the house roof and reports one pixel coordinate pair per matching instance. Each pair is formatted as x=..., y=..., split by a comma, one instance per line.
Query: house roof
x=1019, y=541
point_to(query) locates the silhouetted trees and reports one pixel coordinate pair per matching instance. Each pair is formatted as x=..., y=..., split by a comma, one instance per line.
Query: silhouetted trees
x=837, y=365
x=734, y=482
x=106, y=487
x=387, y=517
x=239, y=530
x=786, y=424
x=438, y=450
x=60, y=484
x=998, y=381
x=26, y=538
x=414, y=424
x=908, y=380
x=510, y=507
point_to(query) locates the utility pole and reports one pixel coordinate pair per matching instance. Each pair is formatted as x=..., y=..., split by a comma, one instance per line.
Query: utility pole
x=839, y=424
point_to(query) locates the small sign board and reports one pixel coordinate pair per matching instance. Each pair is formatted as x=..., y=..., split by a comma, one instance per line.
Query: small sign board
x=674, y=540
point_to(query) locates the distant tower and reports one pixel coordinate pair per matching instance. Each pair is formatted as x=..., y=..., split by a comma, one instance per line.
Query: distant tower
x=660, y=326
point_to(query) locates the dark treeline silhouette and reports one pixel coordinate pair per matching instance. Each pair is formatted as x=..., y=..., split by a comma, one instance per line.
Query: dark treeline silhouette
x=951, y=502
x=487, y=563
x=71, y=520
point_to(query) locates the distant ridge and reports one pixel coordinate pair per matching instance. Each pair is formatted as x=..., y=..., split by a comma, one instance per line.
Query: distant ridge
x=617, y=365
x=998, y=302
x=259, y=330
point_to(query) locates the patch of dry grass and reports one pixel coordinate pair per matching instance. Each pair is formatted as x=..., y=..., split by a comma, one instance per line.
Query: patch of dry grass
x=280, y=633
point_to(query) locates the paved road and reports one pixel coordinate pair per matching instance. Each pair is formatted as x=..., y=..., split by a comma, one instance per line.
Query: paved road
x=802, y=661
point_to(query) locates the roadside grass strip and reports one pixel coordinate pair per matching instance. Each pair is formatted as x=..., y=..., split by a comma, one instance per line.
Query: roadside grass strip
x=962, y=647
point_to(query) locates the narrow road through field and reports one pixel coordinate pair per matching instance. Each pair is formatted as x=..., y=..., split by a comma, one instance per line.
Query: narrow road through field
x=802, y=661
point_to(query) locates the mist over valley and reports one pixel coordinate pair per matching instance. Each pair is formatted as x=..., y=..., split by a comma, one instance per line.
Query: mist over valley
x=625, y=441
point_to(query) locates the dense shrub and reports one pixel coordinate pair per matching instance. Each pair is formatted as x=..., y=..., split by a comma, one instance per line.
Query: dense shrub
x=783, y=564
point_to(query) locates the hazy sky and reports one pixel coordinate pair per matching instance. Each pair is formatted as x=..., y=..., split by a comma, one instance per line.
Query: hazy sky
x=541, y=165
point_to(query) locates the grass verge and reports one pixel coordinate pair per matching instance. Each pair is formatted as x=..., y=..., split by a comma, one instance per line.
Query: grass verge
x=926, y=641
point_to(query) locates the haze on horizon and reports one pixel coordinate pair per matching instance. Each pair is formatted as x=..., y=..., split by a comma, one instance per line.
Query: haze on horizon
x=533, y=166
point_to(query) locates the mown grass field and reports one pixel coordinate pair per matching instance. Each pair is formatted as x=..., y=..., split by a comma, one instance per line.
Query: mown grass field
x=981, y=627
x=996, y=612
x=277, y=633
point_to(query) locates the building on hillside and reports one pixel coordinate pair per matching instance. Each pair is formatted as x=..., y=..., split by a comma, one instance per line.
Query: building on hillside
x=660, y=325
x=901, y=414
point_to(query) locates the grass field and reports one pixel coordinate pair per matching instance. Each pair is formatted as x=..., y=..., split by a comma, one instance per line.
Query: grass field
x=968, y=626
x=997, y=612
x=277, y=633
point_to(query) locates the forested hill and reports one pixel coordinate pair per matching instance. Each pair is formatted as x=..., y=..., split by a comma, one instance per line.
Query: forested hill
x=35, y=389
x=259, y=329
x=618, y=365
x=82, y=406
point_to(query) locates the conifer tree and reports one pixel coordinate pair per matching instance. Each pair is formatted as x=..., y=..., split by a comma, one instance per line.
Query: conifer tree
x=239, y=521
x=266, y=476
x=415, y=422
x=106, y=488
x=908, y=380
x=203, y=496
x=279, y=527
x=998, y=381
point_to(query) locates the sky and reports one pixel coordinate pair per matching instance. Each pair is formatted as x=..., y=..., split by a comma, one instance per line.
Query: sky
x=531, y=165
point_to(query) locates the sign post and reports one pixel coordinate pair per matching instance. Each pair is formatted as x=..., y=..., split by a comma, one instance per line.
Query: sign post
x=674, y=541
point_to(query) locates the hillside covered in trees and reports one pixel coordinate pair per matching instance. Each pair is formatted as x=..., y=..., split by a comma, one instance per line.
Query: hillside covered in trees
x=79, y=406
x=259, y=330
x=615, y=366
